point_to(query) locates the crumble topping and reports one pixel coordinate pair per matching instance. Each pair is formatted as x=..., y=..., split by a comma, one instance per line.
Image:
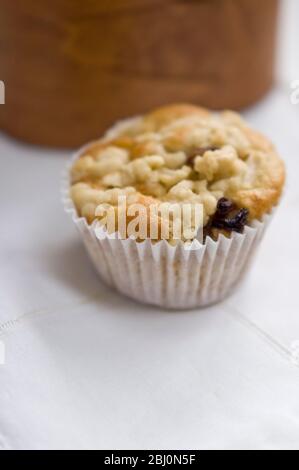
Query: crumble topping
x=182, y=154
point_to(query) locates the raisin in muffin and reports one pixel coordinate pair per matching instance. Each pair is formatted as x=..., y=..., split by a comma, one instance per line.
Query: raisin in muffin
x=178, y=154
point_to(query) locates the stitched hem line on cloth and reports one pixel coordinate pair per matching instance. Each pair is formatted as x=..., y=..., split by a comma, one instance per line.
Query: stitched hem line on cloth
x=228, y=309
x=267, y=338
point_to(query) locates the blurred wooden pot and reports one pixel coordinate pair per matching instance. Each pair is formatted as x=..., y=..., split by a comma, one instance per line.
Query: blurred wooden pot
x=73, y=67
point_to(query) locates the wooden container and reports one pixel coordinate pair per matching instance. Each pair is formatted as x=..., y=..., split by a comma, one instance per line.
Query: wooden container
x=72, y=67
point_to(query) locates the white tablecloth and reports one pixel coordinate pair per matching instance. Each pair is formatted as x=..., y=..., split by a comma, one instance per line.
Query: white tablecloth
x=85, y=368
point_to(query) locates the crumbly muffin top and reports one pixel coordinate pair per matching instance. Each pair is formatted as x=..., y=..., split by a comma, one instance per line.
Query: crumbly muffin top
x=182, y=154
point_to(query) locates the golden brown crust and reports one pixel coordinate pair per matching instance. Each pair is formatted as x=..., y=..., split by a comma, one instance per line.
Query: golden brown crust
x=181, y=153
x=165, y=115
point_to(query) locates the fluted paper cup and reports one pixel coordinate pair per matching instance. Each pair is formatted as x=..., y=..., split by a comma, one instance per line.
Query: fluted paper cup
x=174, y=277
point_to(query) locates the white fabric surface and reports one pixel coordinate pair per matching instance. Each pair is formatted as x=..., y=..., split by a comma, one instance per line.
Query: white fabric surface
x=86, y=368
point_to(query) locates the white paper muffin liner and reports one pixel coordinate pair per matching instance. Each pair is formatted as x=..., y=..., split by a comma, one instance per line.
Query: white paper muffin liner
x=163, y=275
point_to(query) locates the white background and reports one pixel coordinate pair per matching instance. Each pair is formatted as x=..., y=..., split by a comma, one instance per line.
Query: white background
x=86, y=368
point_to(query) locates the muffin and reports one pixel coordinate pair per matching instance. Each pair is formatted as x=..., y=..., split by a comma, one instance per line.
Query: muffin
x=172, y=205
